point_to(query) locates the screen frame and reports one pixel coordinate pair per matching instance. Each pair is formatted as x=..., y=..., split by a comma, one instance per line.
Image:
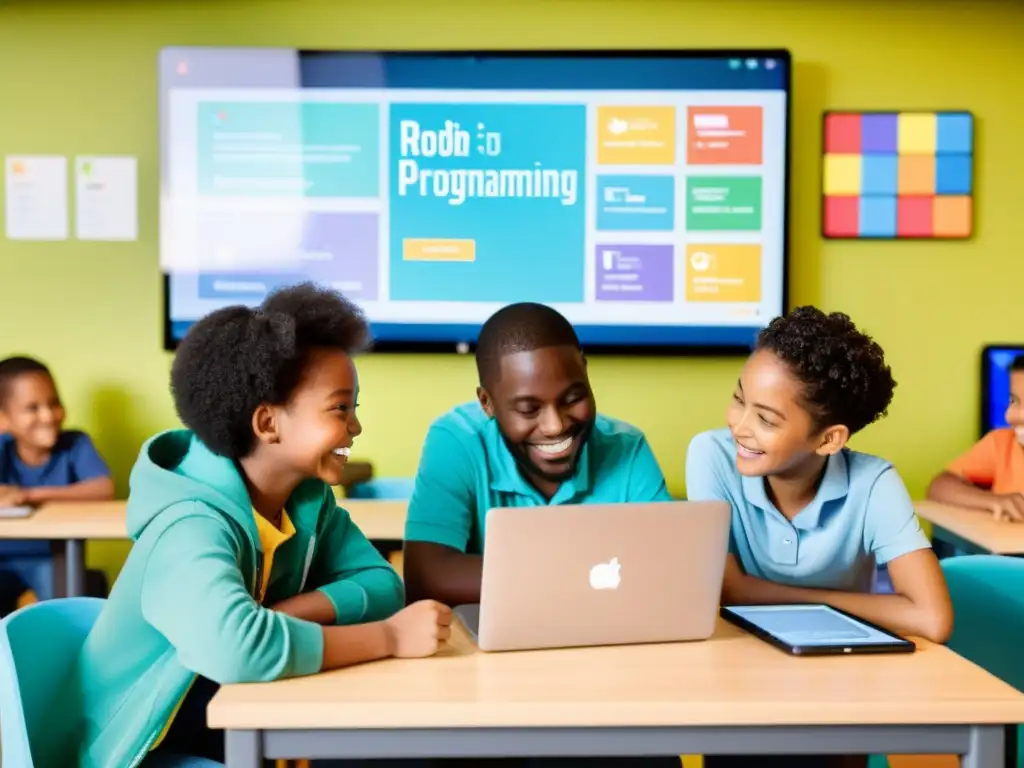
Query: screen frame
x=903, y=645
x=644, y=350
x=985, y=378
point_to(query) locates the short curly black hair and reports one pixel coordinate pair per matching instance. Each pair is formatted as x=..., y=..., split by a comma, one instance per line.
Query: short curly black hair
x=1017, y=364
x=843, y=371
x=236, y=358
x=522, y=327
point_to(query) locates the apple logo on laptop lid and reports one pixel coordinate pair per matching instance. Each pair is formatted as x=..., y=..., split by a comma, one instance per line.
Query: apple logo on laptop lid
x=606, y=575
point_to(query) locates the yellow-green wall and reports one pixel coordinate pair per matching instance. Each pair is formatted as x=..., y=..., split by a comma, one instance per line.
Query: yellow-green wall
x=80, y=77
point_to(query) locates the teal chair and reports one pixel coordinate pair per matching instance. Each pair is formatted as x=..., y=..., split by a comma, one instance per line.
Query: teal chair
x=383, y=488
x=38, y=644
x=988, y=600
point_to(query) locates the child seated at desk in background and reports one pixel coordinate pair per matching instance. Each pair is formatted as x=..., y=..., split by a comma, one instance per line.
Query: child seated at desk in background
x=990, y=476
x=811, y=518
x=244, y=569
x=40, y=461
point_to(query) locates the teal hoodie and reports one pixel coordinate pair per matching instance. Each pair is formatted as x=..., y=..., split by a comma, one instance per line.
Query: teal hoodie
x=184, y=602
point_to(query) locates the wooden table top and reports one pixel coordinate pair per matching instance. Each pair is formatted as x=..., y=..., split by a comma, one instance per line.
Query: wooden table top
x=731, y=679
x=976, y=526
x=378, y=520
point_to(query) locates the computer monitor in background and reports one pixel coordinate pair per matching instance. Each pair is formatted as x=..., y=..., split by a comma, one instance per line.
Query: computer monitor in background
x=995, y=383
x=641, y=193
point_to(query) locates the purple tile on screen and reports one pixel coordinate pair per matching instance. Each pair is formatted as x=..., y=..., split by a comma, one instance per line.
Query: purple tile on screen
x=341, y=249
x=246, y=253
x=879, y=133
x=634, y=272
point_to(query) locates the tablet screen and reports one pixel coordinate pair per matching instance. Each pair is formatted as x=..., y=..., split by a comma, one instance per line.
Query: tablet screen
x=812, y=625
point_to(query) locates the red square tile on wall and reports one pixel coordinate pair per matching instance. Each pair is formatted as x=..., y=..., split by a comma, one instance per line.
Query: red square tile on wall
x=914, y=217
x=842, y=216
x=842, y=134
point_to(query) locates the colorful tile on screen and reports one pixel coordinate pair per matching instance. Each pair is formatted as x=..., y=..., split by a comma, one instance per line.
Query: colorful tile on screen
x=891, y=175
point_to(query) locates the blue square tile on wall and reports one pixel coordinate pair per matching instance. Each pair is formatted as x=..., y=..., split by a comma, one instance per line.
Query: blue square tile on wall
x=878, y=216
x=953, y=174
x=879, y=174
x=955, y=133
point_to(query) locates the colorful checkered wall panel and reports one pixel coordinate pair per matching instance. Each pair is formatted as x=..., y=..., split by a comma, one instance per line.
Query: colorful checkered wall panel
x=898, y=175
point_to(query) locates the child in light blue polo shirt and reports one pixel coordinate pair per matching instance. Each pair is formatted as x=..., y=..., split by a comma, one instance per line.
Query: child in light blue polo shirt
x=812, y=518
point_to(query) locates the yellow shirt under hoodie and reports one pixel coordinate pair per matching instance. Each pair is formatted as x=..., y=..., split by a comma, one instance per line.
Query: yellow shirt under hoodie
x=271, y=538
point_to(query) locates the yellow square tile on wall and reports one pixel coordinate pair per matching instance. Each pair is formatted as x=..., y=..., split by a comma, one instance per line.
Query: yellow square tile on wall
x=918, y=133
x=842, y=174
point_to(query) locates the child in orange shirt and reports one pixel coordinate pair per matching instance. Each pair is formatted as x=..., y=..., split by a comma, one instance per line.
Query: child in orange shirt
x=990, y=476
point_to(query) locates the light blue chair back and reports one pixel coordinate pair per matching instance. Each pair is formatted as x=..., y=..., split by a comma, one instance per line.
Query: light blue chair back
x=383, y=488
x=988, y=600
x=38, y=645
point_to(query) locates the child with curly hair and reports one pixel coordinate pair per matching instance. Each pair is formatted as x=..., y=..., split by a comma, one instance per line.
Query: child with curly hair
x=812, y=518
x=244, y=569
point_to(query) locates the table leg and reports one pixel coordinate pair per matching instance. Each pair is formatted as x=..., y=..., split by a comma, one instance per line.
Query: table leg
x=60, y=569
x=74, y=556
x=244, y=749
x=986, y=747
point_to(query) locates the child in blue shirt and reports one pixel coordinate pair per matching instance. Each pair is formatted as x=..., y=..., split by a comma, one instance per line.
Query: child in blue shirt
x=40, y=461
x=812, y=518
x=243, y=568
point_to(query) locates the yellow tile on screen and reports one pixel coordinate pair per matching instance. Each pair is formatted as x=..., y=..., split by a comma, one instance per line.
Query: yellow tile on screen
x=723, y=273
x=842, y=174
x=632, y=135
x=432, y=249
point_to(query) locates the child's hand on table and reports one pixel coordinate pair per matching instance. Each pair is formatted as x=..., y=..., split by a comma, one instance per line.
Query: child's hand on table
x=419, y=630
x=12, y=496
x=1008, y=507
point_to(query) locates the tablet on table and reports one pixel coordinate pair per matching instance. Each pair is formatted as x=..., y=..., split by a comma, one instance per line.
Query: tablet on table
x=814, y=630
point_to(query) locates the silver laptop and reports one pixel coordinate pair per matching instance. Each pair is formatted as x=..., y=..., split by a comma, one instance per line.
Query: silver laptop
x=599, y=574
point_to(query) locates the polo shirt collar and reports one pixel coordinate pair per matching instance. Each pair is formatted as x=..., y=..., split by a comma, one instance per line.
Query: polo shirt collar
x=834, y=485
x=505, y=476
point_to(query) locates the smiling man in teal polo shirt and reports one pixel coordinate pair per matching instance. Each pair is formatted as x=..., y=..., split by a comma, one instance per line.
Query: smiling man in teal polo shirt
x=532, y=438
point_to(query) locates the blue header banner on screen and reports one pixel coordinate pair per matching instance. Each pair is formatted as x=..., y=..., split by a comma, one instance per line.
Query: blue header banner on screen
x=642, y=194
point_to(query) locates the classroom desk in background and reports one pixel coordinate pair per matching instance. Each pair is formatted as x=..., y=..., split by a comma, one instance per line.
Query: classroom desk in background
x=973, y=531
x=70, y=524
x=732, y=694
